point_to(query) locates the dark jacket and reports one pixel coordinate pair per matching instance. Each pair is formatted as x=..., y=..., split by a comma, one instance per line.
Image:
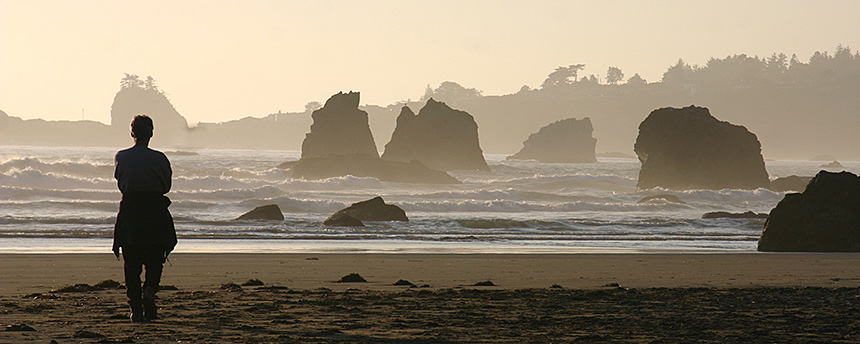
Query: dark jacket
x=144, y=221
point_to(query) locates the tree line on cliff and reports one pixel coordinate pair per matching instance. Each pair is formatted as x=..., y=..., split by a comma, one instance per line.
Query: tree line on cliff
x=779, y=97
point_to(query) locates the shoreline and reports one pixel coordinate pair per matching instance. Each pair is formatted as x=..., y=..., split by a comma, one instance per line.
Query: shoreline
x=591, y=298
x=39, y=273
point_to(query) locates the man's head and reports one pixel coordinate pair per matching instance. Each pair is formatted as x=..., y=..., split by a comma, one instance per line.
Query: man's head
x=141, y=127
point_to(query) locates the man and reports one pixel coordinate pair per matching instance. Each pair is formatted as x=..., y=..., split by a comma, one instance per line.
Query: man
x=144, y=227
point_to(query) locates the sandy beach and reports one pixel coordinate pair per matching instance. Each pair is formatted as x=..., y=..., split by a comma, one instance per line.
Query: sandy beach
x=662, y=297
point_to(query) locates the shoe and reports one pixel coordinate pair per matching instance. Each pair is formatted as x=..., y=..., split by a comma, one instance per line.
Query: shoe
x=150, y=310
x=136, y=313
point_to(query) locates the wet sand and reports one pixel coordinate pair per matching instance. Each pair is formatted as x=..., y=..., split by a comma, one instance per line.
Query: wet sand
x=662, y=297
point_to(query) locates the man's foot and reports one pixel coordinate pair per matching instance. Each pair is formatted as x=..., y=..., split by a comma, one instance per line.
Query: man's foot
x=150, y=311
x=136, y=313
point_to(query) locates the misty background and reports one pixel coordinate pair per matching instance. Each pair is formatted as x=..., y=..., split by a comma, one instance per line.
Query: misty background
x=247, y=75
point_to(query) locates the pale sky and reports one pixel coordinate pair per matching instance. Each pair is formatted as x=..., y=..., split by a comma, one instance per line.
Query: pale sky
x=223, y=60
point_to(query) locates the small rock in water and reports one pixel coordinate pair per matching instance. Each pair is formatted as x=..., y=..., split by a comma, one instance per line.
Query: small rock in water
x=556, y=286
x=266, y=212
x=727, y=215
x=485, y=284
x=343, y=220
x=352, y=278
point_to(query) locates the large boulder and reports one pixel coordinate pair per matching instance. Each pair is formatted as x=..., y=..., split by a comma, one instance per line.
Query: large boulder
x=264, y=212
x=568, y=140
x=339, y=127
x=824, y=218
x=373, y=209
x=439, y=137
x=687, y=148
x=363, y=165
x=790, y=183
x=343, y=220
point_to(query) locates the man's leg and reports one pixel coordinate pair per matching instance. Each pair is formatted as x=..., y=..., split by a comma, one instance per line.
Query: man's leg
x=133, y=264
x=154, y=261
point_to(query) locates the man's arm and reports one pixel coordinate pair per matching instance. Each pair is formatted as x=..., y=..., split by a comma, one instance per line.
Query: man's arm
x=168, y=175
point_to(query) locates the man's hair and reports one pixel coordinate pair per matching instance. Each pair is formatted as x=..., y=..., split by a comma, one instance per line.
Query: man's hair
x=142, y=126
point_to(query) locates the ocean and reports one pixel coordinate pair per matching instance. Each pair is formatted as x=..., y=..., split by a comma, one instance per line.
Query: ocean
x=64, y=199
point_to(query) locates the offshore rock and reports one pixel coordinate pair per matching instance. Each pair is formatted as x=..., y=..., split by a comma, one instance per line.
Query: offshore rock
x=567, y=140
x=790, y=183
x=343, y=220
x=363, y=165
x=728, y=215
x=264, y=212
x=439, y=137
x=687, y=148
x=373, y=209
x=824, y=218
x=171, y=129
x=339, y=127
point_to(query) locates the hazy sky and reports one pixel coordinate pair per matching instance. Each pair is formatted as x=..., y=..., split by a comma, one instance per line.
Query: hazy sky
x=222, y=60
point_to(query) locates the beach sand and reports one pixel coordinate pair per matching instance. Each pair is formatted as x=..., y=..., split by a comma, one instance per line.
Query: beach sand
x=541, y=298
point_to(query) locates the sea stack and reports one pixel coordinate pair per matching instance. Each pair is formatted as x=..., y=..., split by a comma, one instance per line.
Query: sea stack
x=439, y=137
x=138, y=97
x=568, y=140
x=824, y=218
x=687, y=148
x=339, y=127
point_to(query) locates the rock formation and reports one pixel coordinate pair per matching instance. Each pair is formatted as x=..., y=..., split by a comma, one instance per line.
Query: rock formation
x=363, y=165
x=688, y=148
x=568, y=140
x=136, y=98
x=339, y=127
x=728, y=215
x=824, y=218
x=439, y=137
x=373, y=209
x=343, y=220
x=790, y=183
x=264, y=212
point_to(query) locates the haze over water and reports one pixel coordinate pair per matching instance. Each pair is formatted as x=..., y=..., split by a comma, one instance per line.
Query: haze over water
x=219, y=62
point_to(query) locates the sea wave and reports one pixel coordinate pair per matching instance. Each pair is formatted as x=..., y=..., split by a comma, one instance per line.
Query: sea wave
x=30, y=177
x=62, y=167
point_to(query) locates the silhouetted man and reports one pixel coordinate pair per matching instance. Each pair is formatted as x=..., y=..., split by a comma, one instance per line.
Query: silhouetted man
x=144, y=227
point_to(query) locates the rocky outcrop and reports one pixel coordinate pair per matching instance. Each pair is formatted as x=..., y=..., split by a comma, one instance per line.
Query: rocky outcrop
x=343, y=220
x=373, y=209
x=439, y=137
x=790, y=183
x=568, y=140
x=824, y=218
x=728, y=215
x=264, y=212
x=363, y=165
x=339, y=127
x=687, y=148
x=171, y=129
